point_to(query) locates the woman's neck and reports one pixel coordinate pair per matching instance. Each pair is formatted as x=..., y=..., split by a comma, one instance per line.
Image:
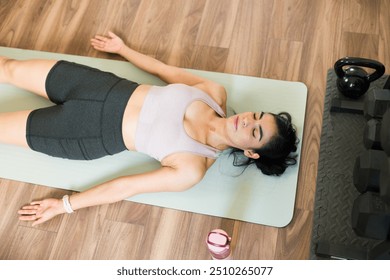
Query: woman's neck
x=216, y=133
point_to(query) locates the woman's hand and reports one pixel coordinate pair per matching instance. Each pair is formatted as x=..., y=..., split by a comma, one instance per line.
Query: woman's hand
x=111, y=44
x=41, y=211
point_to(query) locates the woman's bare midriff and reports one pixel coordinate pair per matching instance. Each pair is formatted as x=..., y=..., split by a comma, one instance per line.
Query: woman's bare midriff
x=131, y=115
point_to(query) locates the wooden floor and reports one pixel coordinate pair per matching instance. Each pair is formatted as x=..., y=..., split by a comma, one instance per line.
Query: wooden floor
x=295, y=40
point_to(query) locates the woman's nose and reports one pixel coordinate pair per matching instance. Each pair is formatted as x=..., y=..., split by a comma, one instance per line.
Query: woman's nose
x=246, y=122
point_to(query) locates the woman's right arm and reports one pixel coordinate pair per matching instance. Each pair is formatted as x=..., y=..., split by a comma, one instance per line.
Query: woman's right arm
x=114, y=44
x=167, y=73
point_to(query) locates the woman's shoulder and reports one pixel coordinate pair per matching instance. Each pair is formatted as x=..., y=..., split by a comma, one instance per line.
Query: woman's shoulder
x=215, y=90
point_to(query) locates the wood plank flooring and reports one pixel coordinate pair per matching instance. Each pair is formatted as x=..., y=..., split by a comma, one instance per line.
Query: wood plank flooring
x=295, y=40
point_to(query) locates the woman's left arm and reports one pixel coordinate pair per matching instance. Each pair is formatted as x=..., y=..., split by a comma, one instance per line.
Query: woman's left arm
x=164, y=179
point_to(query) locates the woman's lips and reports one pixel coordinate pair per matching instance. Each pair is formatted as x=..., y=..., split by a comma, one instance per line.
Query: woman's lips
x=236, y=123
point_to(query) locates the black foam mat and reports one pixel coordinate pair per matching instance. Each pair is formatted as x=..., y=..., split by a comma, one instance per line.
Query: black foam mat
x=341, y=143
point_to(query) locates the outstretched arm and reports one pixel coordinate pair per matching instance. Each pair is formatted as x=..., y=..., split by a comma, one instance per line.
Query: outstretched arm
x=164, y=179
x=169, y=74
x=113, y=44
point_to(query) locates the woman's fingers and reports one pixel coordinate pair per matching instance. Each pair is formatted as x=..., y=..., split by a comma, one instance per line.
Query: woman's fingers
x=97, y=45
x=36, y=203
x=37, y=219
x=97, y=42
x=28, y=218
x=30, y=212
x=111, y=43
x=40, y=211
x=100, y=38
x=30, y=207
x=27, y=212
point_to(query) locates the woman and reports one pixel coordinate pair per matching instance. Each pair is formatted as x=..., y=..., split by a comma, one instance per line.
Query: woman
x=182, y=125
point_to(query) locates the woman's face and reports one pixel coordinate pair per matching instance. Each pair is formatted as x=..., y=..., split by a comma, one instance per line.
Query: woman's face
x=251, y=130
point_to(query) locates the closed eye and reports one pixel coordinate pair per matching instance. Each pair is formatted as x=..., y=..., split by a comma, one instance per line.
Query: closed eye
x=260, y=128
x=254, y=130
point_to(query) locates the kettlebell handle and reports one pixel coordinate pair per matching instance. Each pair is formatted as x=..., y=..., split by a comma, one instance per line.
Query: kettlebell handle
x=363, y=62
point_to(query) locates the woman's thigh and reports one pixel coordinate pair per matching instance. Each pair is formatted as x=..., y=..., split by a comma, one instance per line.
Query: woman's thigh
x=13, y=128
x=26, y=74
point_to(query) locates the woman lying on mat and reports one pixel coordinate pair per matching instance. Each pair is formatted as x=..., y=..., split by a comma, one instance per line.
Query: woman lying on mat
x=183, y=125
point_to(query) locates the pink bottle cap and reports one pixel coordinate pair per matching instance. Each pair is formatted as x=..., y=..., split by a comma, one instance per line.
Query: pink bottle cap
x=218, y=243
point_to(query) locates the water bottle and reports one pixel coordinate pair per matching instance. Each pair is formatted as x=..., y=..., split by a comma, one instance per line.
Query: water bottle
x=218, y=243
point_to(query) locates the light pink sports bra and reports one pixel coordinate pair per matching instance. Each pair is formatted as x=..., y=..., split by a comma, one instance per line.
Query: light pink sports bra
x=160, y=129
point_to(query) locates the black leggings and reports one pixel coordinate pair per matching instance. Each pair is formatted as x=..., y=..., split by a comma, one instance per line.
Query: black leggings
x=86, y=123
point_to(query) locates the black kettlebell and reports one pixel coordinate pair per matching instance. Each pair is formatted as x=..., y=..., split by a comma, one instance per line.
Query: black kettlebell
x=354, y=81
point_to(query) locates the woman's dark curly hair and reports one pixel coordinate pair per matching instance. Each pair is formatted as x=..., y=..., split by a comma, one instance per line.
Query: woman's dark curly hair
x=277, y=155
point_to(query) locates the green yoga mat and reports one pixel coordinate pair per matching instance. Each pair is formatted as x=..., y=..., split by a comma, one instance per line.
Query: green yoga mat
x=251, y=197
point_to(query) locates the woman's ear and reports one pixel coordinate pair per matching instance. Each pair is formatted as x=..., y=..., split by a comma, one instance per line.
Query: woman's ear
x=251, y=154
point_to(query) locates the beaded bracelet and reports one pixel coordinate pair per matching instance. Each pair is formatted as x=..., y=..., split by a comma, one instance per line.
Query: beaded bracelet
x=67, y=206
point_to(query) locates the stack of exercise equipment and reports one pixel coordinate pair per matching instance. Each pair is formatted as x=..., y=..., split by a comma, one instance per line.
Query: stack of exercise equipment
x=353, y=82
x=370, y=211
